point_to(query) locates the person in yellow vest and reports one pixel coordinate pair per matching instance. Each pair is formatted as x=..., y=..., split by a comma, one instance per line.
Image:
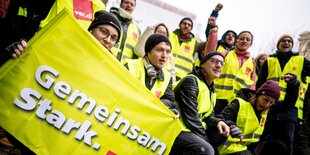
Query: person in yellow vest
x=139, y=49
x=82, y=10
x=284, y=61
x=183, y=48
x=124, y=49
x=239, y=71
x=149, y=69
x=246, y=115
x=195, y=97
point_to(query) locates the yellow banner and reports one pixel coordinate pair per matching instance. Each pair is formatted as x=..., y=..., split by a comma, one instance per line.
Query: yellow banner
x=68, y=95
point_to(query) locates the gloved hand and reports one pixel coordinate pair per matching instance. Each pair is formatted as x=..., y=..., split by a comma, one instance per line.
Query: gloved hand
x=17, y=48
x=235, y=132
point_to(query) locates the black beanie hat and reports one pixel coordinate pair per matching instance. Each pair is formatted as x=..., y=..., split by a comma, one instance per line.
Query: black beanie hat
x=104, y=17
x=270, y=88
x=208, y=56
x=187, y=18
x=153, y=40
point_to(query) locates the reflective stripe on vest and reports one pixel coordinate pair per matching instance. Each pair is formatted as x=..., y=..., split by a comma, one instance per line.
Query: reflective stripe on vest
x=250, y=127
x=183, y=55
x=124, y=49
x=232, y=78
x=136, y=68
x=205, y=100
x=294, y=65
x=22, y=12
x=301, y=97
x=220, y=49
x=82, y=10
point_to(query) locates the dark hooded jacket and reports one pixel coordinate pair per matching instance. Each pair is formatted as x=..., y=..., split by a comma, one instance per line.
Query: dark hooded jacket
x=224, y=44
x=184, y=93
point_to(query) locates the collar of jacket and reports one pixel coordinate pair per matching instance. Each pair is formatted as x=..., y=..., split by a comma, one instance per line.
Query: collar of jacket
x=179, y=34
x=245, y=93
x=196, y=71
x=244, y=54
x=225, y=45
x=160, y=75
x=283, y=54
x=116, y=12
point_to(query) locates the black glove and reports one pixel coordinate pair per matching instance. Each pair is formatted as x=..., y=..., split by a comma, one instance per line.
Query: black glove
x=235, y=132
x=175, y=111
x=10, y=49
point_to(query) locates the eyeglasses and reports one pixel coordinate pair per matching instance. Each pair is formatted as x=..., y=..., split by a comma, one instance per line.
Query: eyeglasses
x=286, y=40
x=105, y=34
x=188, y=24
x=217, y=61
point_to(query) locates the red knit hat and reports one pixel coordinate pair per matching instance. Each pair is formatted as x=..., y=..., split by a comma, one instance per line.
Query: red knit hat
x=270, y=88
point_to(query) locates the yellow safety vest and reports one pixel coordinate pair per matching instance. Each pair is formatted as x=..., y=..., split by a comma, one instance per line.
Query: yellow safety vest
x=82, y=10
x=232, y=78
x=205, y=100
x=301, y=97
x=136, y=68
x=220, y=49
x=183, y=55
x=250, y=127
x=294, y=65
x=124, y=49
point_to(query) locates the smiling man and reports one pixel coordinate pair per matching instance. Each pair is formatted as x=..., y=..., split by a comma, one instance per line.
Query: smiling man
x=195, y=96
x=276, y=67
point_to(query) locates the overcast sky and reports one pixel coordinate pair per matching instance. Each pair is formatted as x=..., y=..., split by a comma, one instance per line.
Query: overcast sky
x=266, y=19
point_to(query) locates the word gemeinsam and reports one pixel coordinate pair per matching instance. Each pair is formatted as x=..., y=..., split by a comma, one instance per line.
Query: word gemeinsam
x=45, y=76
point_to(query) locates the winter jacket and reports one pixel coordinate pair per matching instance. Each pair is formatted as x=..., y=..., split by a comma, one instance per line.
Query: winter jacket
x=186, y=94
x=303, y=142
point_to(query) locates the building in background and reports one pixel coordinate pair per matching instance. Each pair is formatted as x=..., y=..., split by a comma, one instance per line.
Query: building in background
x=151, y=12
x=304, y=44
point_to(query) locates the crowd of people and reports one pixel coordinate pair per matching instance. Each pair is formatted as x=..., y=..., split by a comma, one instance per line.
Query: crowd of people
x=228, y=102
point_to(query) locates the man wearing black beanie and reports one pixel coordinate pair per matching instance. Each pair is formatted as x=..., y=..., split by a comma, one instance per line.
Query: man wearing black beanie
x=150, y=69
x=195, y=96
x=106, y=28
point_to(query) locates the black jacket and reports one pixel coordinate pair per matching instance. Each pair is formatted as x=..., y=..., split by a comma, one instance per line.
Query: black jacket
x=303, y=142
x=14, y=27
x=230, y=112
x=186, y=94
